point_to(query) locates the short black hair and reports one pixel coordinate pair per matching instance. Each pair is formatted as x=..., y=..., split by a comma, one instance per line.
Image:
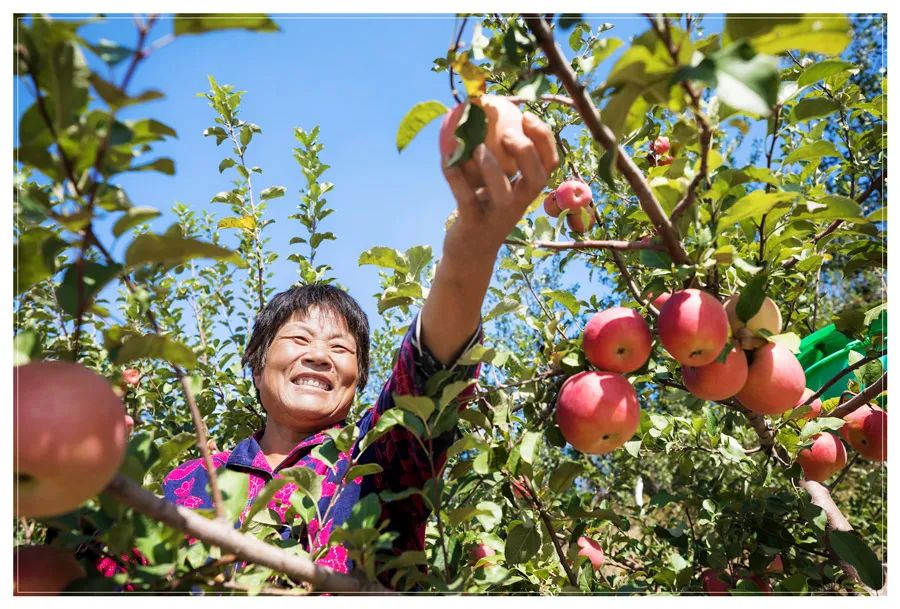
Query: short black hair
x=300, y=299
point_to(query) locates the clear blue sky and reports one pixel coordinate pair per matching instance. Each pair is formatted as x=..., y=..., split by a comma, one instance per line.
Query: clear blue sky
x=355, y=77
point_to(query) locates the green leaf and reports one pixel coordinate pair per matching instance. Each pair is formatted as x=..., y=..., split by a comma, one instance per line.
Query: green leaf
x=565, y=298
x=233, y=485
x=564, y=475
x=273, y=192
x=26, y=347
x=633, y=447
x=153, y=346
x=110, y=52
x=421, y=406
x=470, y=132
x=787, y=339
x=743, y=79
x=226, y=163
x=35, y=256
x=851, y=548
x=751, y=298
x=266, y=495
x=816, y=150
x=360, y=471
x=166, y=166
x=489, y=515
x=754, y=205
x=415, y=120
x=247, y=223
x=826, y=34
x=522, y=542
x=199, y=23
x=171, y=249
x=833, y=207
x=809, y=108
x=94, y=276
x=822, y=70
x=528, y=445
x=171, y=450
x=133, y=217
x=384, y=257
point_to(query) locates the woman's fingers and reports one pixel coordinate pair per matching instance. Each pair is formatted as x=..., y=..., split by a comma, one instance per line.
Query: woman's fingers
x=542, y=136
x=463, y=192
x=534, y=175
x=498, y=187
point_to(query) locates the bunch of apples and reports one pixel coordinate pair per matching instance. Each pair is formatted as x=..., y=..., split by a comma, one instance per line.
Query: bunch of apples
x=721, y=357
x=576, y=198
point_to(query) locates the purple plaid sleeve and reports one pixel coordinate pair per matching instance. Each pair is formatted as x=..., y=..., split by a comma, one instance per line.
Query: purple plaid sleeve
x=405, y=464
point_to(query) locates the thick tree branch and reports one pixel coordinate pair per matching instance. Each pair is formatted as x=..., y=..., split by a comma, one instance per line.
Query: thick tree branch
x=605, y=137
x=226, y=537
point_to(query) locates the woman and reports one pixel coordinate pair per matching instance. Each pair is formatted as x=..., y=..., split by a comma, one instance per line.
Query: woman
x=309, y=353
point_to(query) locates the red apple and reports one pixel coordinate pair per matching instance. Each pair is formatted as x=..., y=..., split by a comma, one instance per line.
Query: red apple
x=717, y=381
x=617, y=340
x=775, y=381
x=502, y=116
x=660, y=145
x=768, y=317
x=815, y=408
x=581, y=220
x=660, y=300
x=866, y=431
x=131, y=376
x=714, y=583
x=573, y=195
x=591, y=550
x=44, y=570
x=777, y=565
x=693, y=327
x=479, y=551
x=824, y=458
x=69, y=436
x=550, y=206
x=597, y=412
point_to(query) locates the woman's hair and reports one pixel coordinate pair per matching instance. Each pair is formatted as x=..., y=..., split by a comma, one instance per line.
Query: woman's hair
x=300, y=299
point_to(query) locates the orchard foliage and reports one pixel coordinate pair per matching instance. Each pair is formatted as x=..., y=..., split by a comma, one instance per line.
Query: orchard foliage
x=659, y=128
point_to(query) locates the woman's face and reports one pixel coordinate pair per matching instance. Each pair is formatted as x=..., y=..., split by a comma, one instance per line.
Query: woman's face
x=310, y=375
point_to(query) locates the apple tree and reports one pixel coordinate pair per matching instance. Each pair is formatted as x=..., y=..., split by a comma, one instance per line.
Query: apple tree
x=721, y=185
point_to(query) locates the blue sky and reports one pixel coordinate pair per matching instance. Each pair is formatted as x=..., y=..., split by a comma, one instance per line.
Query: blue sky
x=355, y=77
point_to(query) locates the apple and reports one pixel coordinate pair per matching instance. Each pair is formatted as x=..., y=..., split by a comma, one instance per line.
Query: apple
x=573, y=195
x=131, y=376
x=775, y=381
x=502, y=116
x=866, y=431
x=44, y=570
x=550, y=205
x=768, y=317
x=590, y=549
x=693, y=327
x=659, y=301
x=69, y=439
x=664, y=160
x=660, y=145
x=581, y=220
x=815, y=408
x=597, y=412
x=777, y=565
x=481, y=550
x=761, y=584
x=714, y=583
x=617, y=340
x=824, y=458
x=717, y=381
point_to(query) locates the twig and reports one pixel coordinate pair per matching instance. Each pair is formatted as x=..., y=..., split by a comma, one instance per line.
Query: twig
x=626, y=277
x=453, y=90
x=844, y=471
x=225, y=536
x=607, y=244
x=545, y=518
x=547, y=97
x=841, y=375
x=604, y=135
x=862, y=398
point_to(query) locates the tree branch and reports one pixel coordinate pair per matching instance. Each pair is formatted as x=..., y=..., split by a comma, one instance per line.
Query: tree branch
x=545, y=518
x=861, y=399
x=839, y=376
x=225, y=536
x=608, y=244
x=604, y=135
